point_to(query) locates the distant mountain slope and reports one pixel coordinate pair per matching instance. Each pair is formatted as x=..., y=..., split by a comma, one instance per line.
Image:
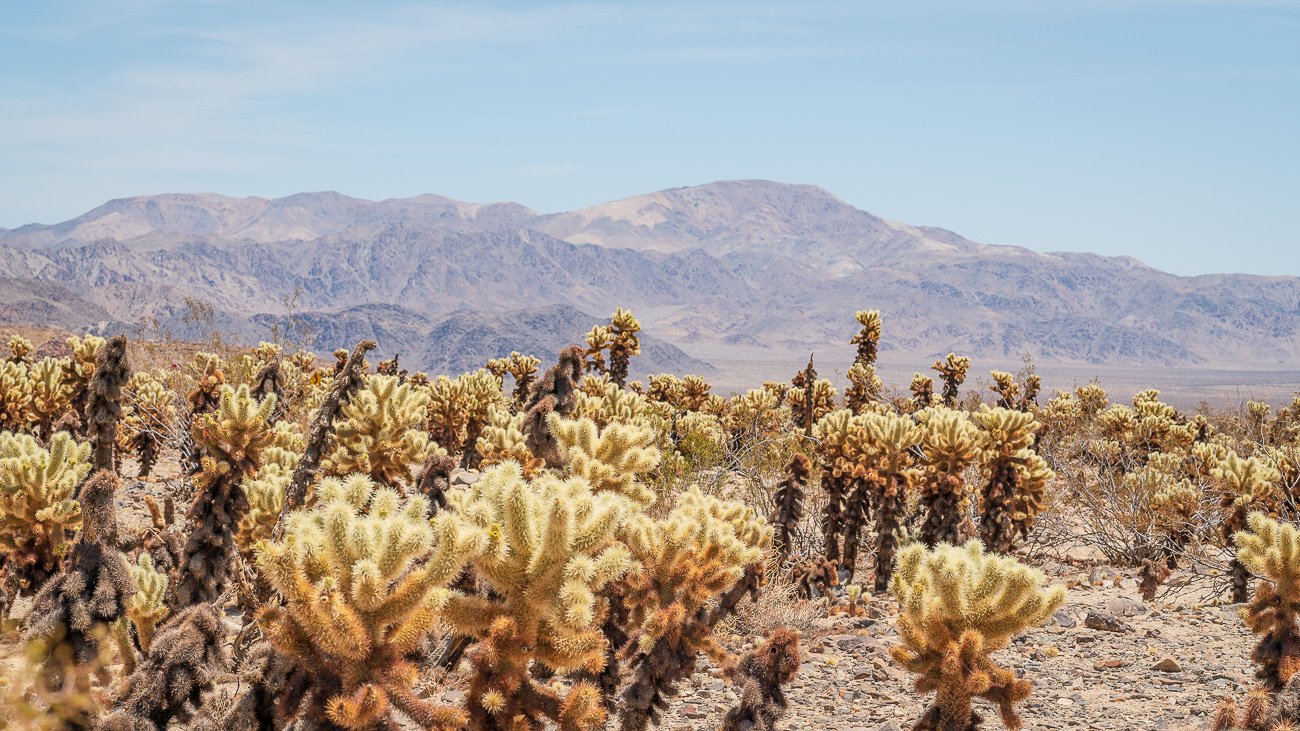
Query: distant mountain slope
x=727, y=270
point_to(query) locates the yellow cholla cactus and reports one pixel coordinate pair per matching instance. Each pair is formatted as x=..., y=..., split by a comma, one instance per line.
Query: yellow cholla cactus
x=868, y=338
x=609, y=459
x=149, y=415
x=705, y=549
x=957, y=606
x=504, y=440
x=15, y=396
x=460, y=407
x=49, y=396
x=890, y=439
x=865, y=387
x=379, y=432
x=1271, y=551
x=148, y=606
x=950, y=442
x=21, y=347
x=1016, y=476
x=953, y=371
x=38, y=515
x=237, y=431
x=1246, y=485
x=599, y=339
x=552, y=548
x=363, y=575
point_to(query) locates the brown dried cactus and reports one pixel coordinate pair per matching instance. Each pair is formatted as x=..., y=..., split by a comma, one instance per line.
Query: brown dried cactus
x=104, y=401
x=555, y=393
x=790, y=502
x=75, y=609
x=759, y=676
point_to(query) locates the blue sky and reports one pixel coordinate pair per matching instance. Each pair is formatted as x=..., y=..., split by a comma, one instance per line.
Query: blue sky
x=1164, y=129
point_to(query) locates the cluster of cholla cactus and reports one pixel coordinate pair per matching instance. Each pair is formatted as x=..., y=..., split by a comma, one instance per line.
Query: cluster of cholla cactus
x=362, y=575
x=39, y=514
x=810, y=398
x=460, y=408
x=957, y=606
x=379, y=432
x=1248, y=484
x=1012, y=395
x=865, y=386
x=522, y=368
x=148, y=419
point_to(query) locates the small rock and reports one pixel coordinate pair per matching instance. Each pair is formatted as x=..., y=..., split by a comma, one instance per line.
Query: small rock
x=1168, y=665
x=1125, y=607
x=1105, y=623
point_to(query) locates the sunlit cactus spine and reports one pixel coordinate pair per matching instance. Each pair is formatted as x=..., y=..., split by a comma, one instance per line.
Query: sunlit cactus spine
x=49, y=396
x=952, y=369
x=609, y=459
x=149, y=416
x=21, y=348
x=890, y=439
x=15, y=396
x=1271, y=550
x=922, y=388
x=147, y=607
x=957, y=606
x=626, y=344
x=503, y=439
x=379, y=432
x=362, y=575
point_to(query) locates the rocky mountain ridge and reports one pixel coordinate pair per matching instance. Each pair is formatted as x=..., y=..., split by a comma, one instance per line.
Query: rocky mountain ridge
x=728, y=270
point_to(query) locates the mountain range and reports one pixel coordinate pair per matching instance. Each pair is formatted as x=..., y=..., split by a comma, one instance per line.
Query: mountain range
x=733, y=272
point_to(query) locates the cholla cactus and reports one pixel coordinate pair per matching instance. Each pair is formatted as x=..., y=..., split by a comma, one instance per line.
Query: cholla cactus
x=760, y=675
x=867, y=339
x=15, y=396
x=79, y=368
x=76, y=607
x=922, y=388
x=150, y=414
x=953, y=371
x=950, y=444
x=363, y=576
x=1271, y=550
x=789, y=498
x=840, y=443
x=38, y=515
x=609, y=459
x=1092, y=399
x=1247, y=484
x=703, y=548
x=1016, y=476
x=181, y=665
x=379, y=433
x=551, y=549
x=625, y=345
x=233, y=437
x=49, y=397
x=503, y=439
x=957, y=606
x=811, y=398
x=1008, y=391
x=21, y=348
x=556, y=392
x=523, y=368
x=890, y=439
x=865, y=387
x=104, y=401
x=147, y=607
x=599, y=338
